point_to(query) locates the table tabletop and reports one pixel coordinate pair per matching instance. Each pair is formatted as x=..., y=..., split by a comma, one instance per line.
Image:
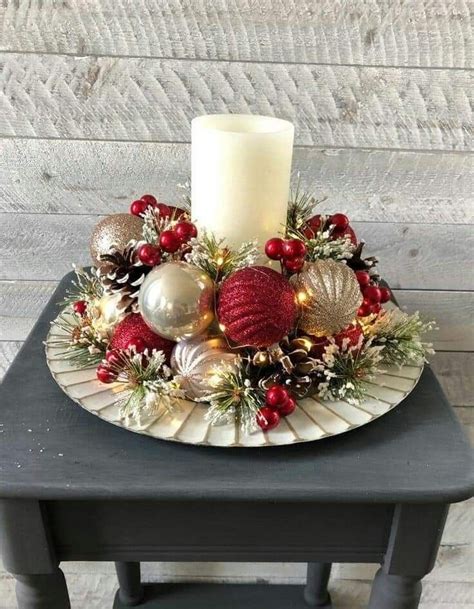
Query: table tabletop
x=50, y=448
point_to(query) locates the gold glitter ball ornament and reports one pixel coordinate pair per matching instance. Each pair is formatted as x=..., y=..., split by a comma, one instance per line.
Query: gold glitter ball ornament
x=115, y=230
x=329, y=296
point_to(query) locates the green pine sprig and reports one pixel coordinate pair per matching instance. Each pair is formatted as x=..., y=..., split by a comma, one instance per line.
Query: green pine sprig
x=400, y=337
x=217, y=260
x=78, y=341
x=233, y=397
x=85, y=286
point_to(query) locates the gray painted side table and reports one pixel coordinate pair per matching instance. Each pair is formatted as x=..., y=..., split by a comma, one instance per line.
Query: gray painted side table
x=73, y=487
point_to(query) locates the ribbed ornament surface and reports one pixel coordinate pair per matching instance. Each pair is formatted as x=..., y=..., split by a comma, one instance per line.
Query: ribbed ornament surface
x=256, y=306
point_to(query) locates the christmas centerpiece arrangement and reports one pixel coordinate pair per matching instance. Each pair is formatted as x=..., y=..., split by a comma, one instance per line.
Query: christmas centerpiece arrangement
x=236, y=301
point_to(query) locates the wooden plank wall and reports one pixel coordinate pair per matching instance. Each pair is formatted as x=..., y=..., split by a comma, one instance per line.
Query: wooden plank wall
x=96, y=99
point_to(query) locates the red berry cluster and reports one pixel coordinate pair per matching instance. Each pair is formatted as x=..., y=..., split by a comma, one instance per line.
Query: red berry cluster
x=278, y=403
x=338, y=222
x=139, y=207
x=290, y=252
x=80, y=307
x=108, y=370
x=374, y=296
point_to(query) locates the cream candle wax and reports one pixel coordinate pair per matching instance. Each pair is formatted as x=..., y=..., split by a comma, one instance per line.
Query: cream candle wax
x=240, y=176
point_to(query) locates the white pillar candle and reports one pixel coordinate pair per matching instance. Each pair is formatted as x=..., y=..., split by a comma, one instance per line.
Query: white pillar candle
x=240, y=176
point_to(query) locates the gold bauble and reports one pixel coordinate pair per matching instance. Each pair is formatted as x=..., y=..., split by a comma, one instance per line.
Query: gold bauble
x=329, y=295
x=114, y=231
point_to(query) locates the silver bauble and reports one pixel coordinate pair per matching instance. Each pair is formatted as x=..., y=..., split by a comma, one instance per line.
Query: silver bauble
x=329, y=294
x=114, y=231
x=176, y=300
x=195, y=360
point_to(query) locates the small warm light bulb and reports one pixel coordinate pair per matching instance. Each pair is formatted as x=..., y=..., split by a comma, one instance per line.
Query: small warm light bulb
x=307, y=344
x=222, y=327
x=302, y=296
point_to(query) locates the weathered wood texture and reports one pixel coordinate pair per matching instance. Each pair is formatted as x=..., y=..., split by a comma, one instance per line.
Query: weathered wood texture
x=155, y=100
x=64, y=177
x=423, y=33
x=49, y=244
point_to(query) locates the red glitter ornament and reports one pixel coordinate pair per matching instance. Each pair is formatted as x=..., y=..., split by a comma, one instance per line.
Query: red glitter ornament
x=132, y=328
x=256, y=306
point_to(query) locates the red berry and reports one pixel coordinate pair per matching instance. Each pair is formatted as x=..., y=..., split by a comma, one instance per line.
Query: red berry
x=137, y=208
x=276, y=396
x=375, y=308
x=150, y=200
x=315, y=223
x=364, y=310
x=149, y=255
x=185, y=231
x=363, y=278
x=137, y=344
x=267, y=418
x=105, y=374
x=287, y=408
x=294, y=265
x=80, y=307
x=165, y=210
x=293, y=248
x=169, y=241
x=340, y=221
x=386, y=294
x=113, y=358
x=372, y=293
x=274, y=248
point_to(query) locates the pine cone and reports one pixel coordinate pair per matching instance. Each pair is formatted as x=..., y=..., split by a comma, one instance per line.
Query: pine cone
x=357, y=263
x=290, y=364
x=121, y=272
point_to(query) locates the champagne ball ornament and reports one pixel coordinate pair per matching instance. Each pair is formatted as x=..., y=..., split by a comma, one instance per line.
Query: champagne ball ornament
x=329, y=294
x=115, y=230
x=176, y=300
x=257, y=306
x=195, y=360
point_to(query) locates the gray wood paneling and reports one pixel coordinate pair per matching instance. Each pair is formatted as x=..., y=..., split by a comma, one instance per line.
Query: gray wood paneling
x=155, y=99
x=44, y=176
x=379, y=32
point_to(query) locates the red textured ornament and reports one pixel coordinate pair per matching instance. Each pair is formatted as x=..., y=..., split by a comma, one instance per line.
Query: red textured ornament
x=185, y=231
x=256, y=306
x=134, y=327
x=138, y=207
x=352, y=333
x=169, y=241
x=105, y=374
x=149, y=255
x=386, y=294
x=80, y=307
x=150, y=200
x=287, y=408
x=276, y=396
x=267, y=418
x=294, y=248
x=274, y=248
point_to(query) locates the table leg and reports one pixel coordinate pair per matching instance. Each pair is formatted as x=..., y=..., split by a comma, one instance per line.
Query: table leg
x=129, y=578
x=411, y=553
x=394, y=592
x=316, y=591
x=42, y=591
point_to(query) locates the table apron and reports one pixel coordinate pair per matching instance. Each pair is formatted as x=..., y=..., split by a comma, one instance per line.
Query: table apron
x=224, y=531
